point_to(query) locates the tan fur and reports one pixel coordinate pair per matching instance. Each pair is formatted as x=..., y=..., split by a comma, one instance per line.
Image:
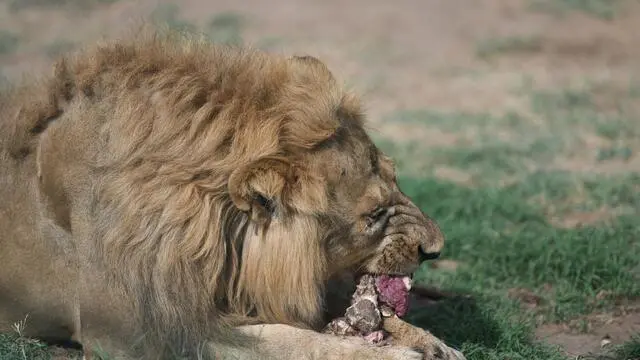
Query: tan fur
x=159, y=191
x=406, y=334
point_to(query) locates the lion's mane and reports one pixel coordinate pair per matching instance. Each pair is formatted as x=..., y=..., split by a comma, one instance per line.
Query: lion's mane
x=178, y=121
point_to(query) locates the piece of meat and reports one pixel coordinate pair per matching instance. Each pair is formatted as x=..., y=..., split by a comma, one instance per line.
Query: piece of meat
x=394, y=291
x=374, y=298
x=364, y=316
x=374, y=314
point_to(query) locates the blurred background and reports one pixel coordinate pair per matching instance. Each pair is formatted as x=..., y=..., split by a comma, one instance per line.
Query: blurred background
x=514, y=123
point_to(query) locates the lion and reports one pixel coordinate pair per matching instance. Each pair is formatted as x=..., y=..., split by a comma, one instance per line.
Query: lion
x=164, y=197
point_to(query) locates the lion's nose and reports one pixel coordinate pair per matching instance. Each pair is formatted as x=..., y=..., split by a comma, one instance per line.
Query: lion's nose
x=431, y=245
x=425, y=256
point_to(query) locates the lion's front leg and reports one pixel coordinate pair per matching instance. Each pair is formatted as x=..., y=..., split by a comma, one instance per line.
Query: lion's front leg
x=406, y=334
x=285, y=342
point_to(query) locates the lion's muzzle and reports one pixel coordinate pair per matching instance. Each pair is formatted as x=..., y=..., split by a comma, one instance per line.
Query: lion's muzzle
x=409, y=238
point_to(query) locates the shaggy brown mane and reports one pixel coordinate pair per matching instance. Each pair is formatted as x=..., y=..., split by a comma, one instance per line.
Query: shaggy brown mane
x=183, y=117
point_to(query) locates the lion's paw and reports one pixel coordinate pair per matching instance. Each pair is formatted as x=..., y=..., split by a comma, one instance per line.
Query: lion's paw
x=441, y=352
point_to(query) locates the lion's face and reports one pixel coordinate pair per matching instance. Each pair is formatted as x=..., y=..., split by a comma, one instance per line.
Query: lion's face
x=380, y=230
x=343, y=197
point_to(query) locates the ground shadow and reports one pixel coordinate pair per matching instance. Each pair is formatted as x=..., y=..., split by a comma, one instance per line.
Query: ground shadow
x=457, y=319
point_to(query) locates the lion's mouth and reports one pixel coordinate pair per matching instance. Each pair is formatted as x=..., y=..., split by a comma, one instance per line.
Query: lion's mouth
x=393, y=291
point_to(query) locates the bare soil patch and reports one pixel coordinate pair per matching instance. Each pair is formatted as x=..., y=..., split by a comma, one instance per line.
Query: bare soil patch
x=600, y=329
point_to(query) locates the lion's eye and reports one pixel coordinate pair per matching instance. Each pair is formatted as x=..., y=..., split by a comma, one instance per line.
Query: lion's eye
x=375, y=216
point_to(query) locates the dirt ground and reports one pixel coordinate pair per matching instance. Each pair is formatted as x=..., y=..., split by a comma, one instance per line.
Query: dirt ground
x=601, y=331
x=437, y=54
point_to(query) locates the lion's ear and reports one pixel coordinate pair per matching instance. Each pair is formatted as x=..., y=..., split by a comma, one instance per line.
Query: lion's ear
x=257, y=187
x=311, y=62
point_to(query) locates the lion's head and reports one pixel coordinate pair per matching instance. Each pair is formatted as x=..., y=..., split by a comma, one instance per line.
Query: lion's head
x=326, y=201
x=232, y=183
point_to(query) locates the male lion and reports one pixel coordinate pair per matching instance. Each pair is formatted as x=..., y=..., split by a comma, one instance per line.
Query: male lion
x=165, y=197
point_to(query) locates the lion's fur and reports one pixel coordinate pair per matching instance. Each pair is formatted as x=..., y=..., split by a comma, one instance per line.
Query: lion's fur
x=166, y=144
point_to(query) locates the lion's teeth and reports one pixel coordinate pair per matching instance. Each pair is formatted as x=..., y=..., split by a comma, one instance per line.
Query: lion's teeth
x=386, y=311
x=407, y=282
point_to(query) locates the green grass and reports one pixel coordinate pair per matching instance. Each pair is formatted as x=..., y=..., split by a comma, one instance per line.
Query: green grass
x=558, y=125
x=501, y=159
x=9, y=42
x=17, y=5
x=14, y=347
x=167, y=14
x=222, y=28
x=226, y=28
x=508, y=45
x=504, y=241
x=455, y=121
x=604, y=9
x=58, y=47
x=578, y=107
x=483, y=328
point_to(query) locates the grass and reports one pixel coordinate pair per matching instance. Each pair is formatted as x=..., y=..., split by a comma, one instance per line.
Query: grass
x=17, y=5
x=603, y=9
x=9, y=42
x=226, y=28
x=58, y=47
x=503, y=240
x=583, y=122
x=508, y=45
x=168, y=15
x=222, y=28
x=15, y=347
